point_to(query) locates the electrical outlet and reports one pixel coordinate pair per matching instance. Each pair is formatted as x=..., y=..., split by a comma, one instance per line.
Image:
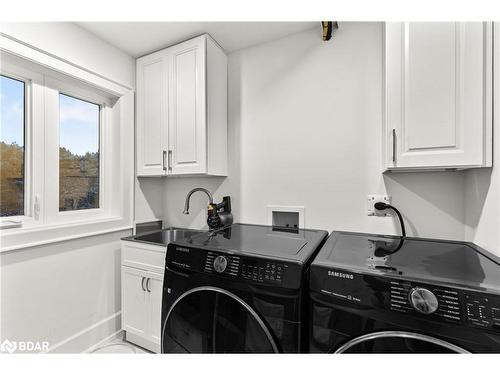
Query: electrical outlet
x=372, y=199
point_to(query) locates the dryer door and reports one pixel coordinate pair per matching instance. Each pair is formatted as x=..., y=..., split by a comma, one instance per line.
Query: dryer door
x=213, y=320
x=398, y=342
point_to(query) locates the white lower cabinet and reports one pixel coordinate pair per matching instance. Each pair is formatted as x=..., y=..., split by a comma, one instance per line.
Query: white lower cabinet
x=142, y=290
x=134, y=301
x=155, y=290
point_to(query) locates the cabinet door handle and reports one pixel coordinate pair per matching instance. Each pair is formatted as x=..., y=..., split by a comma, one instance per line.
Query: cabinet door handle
x=394, y=146
x=142, y=284
x=147, y=285
x=170, y=160
x=164, y=164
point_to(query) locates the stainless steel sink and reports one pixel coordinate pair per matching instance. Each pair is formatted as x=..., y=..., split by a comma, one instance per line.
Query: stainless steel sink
x=174, y=234
x=165, y=236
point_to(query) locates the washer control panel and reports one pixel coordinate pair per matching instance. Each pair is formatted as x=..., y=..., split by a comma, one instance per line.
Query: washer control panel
x=268, y=271
x=482, y=311
x=235, y=265
x=251, y=269
x=222, y=263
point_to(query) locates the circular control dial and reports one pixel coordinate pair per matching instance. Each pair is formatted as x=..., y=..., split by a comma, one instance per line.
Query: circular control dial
x=423, y=300
x=220, y=264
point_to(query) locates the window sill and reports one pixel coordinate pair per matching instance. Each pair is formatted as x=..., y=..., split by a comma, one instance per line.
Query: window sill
x=9, y=224
x=23, y=238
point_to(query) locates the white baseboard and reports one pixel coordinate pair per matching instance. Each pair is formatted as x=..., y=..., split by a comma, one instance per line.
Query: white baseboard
x=90, y=337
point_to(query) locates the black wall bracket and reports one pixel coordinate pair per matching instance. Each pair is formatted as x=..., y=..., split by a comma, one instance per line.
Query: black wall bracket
x=328, y=28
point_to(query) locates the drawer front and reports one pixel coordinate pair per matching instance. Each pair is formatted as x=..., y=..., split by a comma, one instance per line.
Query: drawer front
x=146, y=257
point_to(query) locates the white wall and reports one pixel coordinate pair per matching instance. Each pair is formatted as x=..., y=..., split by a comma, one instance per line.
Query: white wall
x=305, y=121
x=66, y=293
x=72, y=43
x=149, y=204
x=483, y=186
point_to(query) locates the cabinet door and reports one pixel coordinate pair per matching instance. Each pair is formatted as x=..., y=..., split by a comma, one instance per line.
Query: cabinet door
x=135, y=309
x=155, y=293
x=438, y=94
x=187, y=98
x=152, y=114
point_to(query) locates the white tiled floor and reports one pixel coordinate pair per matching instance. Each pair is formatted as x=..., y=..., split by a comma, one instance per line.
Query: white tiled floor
x=118, y=345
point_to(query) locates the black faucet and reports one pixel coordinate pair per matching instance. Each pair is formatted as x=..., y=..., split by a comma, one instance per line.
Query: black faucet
x=219, y=214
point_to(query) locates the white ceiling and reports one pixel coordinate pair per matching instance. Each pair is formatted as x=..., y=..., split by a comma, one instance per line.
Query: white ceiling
x=141, y=38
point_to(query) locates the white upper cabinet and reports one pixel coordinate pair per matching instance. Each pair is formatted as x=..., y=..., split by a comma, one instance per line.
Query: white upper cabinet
x=152, y=114
x=187, y=130
x=182, y=110
x=438, y=94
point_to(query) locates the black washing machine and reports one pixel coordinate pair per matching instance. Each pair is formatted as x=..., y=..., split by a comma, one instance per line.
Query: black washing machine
x=239, y=290
x=384, y=294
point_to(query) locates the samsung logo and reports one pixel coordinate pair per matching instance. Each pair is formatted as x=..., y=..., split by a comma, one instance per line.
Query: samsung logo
x=341, y=275
x=183, y=249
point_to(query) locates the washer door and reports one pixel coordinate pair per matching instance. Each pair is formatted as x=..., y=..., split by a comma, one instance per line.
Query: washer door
x=213, y=320
x=398, y=342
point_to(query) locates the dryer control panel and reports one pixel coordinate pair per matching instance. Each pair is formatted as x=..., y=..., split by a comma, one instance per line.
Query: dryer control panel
x=426, y=301
x=254, y=269
x=482, y=310
x=478, y=310
x=447, y=303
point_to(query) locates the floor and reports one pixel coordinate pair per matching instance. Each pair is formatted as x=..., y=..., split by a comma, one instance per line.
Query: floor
x=118, y=345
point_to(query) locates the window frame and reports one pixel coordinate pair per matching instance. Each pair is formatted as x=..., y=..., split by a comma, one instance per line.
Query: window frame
x=29, y=78
x=53, y=88
x=26, y=168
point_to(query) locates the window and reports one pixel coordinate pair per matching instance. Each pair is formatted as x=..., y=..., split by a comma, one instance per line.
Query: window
x=12, y=130
x=53, y=148
x=78, y=154
x=66, y=166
